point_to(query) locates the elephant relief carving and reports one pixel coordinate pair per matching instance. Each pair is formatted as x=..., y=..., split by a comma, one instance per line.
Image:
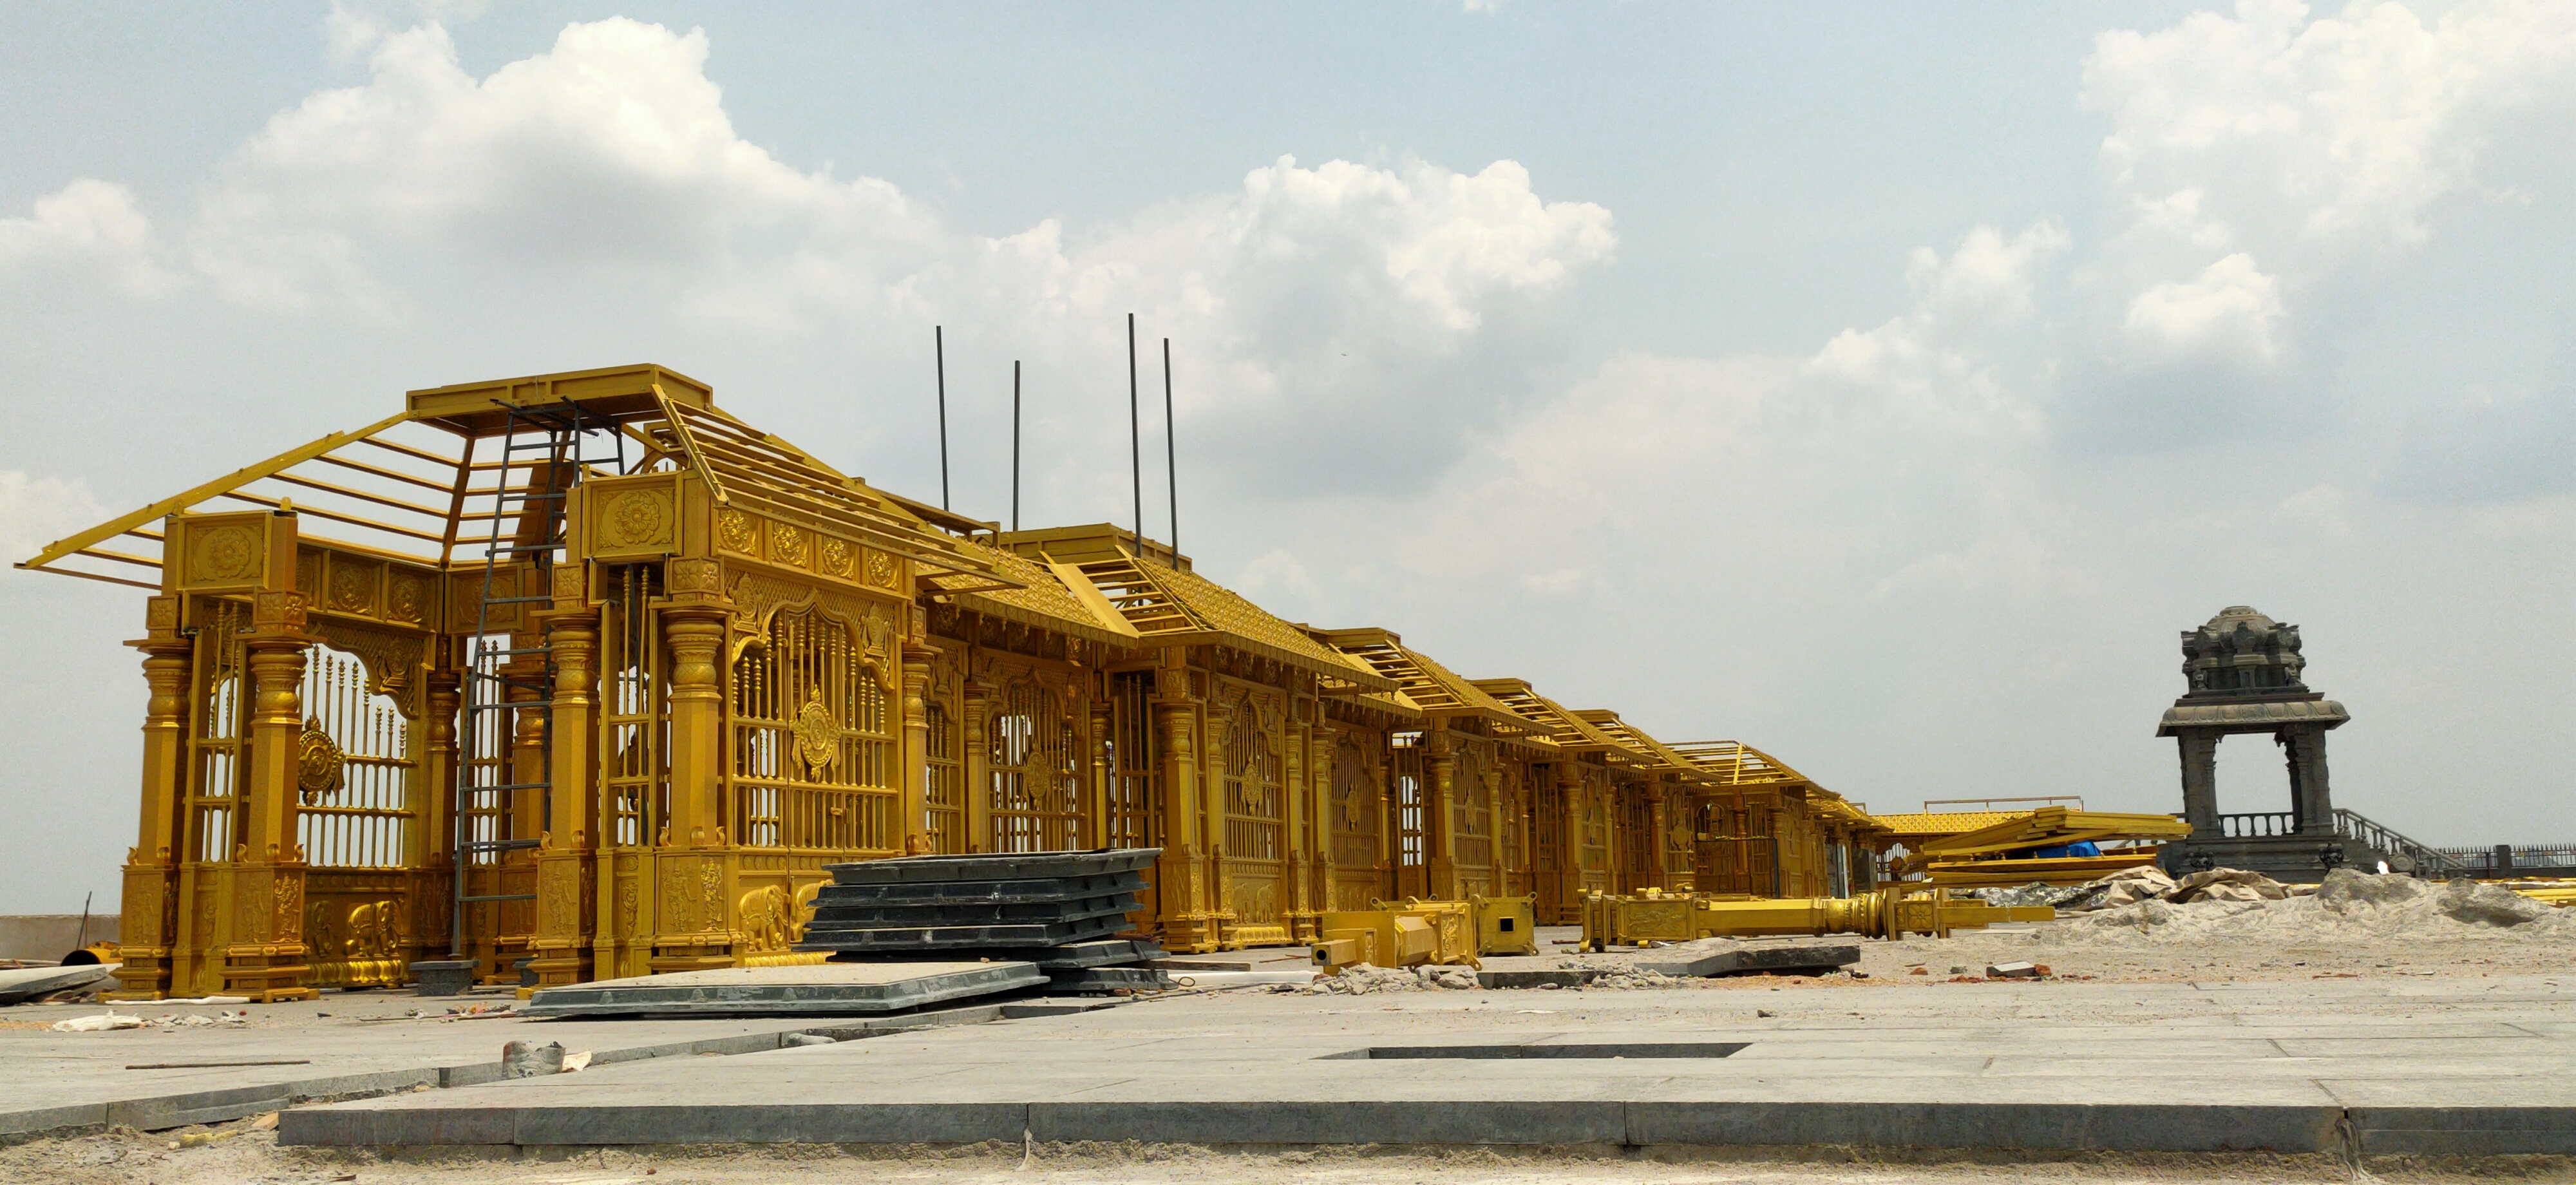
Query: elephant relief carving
x=768, y=921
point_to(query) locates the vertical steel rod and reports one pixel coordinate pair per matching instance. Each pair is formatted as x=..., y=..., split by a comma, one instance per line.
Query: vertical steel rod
x=939, y=361
x=1135, y=437
x=1171, y=475
x=1016, y=444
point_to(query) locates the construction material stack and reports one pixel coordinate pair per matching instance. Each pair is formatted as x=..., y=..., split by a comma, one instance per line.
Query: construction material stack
x=1066, y=912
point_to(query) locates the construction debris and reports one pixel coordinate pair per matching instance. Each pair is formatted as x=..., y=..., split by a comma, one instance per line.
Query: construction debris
x=1361, y=979
x=531, y=1059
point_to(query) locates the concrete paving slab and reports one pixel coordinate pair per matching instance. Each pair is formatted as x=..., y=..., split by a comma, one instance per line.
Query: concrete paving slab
x=825, y=989
x=341, y=1047
x=1928, y=1066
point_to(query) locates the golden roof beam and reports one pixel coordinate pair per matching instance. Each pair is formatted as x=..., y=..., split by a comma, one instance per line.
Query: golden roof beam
x=172, y=505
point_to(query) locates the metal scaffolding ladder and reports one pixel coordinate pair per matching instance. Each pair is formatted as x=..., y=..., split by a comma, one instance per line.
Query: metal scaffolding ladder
x=555, y=445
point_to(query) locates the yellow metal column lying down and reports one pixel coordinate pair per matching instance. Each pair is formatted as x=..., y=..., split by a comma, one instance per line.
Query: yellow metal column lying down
x=1982, y=858
x=1892, y=912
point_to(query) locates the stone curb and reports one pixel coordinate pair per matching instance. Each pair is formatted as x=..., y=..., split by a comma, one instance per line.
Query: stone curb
x=2049, y=1127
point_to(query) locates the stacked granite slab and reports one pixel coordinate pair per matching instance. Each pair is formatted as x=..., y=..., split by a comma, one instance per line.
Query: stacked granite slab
x=1062, y=911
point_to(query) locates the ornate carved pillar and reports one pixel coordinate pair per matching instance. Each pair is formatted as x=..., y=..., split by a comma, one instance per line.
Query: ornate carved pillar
x=915, y=806
x=1439, y=818
x=1659, y=838
x=974, y=761
x=431, y=842
x=1181, y=883
x=150, y=919
x=692, y=881
x=262, y=919
x=1615, y=843
x=1784, y=850
x=1315, y=822
x=503, y=934
x=1569, y=776
x=2200, y=783
x=1095, y=814
x=695, y=639
x=560, y=947
x=1216, y=724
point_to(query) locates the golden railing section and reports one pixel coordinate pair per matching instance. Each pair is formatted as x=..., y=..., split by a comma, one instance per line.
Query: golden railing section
x=731, y=664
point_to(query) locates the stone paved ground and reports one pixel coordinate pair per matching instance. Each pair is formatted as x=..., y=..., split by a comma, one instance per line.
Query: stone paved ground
x=243, y=1152
x=235, y=1153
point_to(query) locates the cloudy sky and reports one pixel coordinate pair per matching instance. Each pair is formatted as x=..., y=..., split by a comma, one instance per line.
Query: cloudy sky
x=1885, y=391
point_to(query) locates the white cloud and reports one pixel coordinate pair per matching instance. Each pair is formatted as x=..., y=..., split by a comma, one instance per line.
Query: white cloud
x=610, y=150
x=2337, y=131
x=2319, y=144
x=604, y=179
x=1928, y=365
x=1989, y=278
x=2230, y=312
x=89, y=226
x=354, y=27
x=36, y=511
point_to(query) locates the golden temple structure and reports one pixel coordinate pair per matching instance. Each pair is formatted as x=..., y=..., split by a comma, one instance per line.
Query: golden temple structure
x=581, y=673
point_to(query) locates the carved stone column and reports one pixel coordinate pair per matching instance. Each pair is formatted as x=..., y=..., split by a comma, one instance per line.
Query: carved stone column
x=2309, y=796
x=149, y=930
x=2200, y=783
x=262, y=915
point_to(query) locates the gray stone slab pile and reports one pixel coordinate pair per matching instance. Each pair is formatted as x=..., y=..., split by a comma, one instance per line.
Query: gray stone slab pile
x=1060, y=912
x=833, y=989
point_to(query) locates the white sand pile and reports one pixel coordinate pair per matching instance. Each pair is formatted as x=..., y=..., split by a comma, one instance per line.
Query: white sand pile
x=2349, y=906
